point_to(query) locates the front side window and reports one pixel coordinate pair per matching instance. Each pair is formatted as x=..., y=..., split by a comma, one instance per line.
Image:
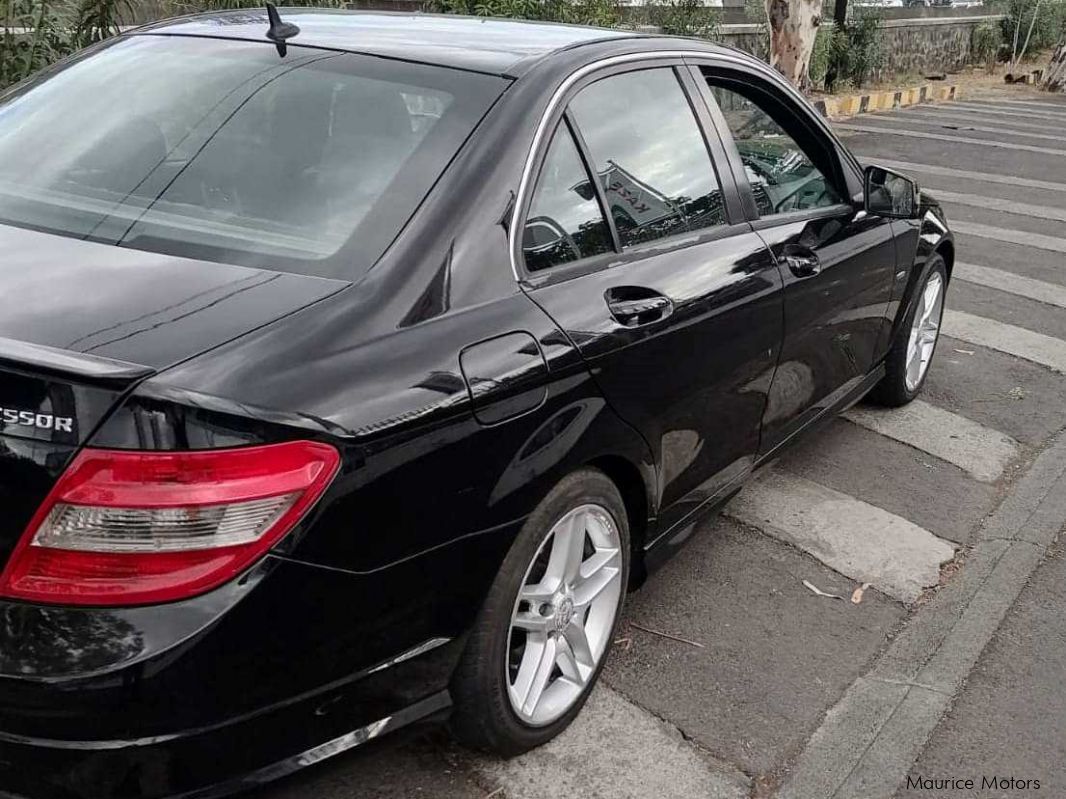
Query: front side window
x=649, y=155
x=223, y=151
x=565, y=222
x=782, y=176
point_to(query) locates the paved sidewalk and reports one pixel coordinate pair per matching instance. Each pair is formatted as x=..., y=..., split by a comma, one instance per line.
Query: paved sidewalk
x=1008, y=727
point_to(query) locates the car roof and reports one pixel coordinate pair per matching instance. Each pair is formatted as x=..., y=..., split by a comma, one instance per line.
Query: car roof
x=496, y=46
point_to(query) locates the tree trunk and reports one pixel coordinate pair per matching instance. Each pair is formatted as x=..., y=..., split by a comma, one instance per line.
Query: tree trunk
x=1056, y=72
x=793, y=26
x=1032, y=23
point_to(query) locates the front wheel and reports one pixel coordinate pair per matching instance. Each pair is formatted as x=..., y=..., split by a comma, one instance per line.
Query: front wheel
x=548, y=622
x=907, y=364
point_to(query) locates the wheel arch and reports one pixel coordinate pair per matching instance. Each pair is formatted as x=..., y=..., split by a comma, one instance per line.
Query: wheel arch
x=946, y=250
x=636, y=496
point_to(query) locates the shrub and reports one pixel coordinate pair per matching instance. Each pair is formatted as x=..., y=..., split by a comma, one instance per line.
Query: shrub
x=35, y=33
x=683, y=17
x=987, y=40
x=848, y=55
x=603, y=13
x=1045, y=18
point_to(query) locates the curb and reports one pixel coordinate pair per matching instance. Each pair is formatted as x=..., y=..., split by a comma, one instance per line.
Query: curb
x=1031, y=78
x=840, y=107
x=870, y=739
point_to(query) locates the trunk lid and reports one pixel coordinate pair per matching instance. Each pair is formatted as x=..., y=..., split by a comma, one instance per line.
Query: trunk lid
x=83, y=322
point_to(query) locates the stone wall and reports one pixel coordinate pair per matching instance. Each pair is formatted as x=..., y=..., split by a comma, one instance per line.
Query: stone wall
x=921, y=45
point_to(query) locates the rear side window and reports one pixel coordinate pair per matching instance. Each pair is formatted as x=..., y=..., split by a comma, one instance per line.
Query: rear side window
x=565, y=222
x=782, y=174
x=223, y=151
x=650, y=155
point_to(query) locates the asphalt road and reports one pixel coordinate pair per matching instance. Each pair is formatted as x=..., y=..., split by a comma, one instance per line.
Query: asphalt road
x=944, y=508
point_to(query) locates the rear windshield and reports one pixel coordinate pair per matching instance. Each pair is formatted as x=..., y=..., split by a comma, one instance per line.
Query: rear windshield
x=224, y=151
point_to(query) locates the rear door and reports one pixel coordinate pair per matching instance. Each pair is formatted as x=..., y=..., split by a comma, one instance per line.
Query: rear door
x=837, y=261
x=638, y=248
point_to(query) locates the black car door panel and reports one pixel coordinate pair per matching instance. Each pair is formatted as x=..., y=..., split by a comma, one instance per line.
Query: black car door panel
x=837, y=270
x=695, y=382
x=681, y=321
x=837, y=262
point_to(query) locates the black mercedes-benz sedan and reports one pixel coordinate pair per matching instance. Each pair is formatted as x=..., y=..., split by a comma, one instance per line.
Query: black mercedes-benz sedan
x=353, y=366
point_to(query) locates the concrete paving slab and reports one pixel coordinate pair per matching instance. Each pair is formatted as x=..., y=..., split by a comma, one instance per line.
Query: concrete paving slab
x=1039, y=290
x=613, y=750
x=1010, y=720
x=1035, y=347
x=983, y=452
x=1000, y=391
x=859, y=540
x=931, y=493
x=775, y=655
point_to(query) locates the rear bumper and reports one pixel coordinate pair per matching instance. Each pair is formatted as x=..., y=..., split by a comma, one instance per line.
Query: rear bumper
x=199, y=765
x=278, y=671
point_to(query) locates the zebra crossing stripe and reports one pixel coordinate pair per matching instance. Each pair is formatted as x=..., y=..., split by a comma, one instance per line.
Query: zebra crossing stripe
x=1026, y=344
x=917, y=134
x=613, y=750
x=1038, y=290
x=1010, y=235
x=998, y=204
x=979, y=450
x=966, y=174
x=859, y=540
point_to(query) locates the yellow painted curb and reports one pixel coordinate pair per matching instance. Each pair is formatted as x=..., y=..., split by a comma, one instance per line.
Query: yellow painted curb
x=851, y=105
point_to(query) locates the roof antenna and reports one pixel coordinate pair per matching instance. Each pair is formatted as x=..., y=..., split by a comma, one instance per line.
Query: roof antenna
x=279, y=31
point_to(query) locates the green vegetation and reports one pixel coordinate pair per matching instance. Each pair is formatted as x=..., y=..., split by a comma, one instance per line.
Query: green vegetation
x=683, y=18
x=1030, y=26
x=986, y=44
x=848, y=57
x=602, y=13
x=35, y=33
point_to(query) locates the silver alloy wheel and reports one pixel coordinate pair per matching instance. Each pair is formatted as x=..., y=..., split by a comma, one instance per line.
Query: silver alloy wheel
x=924, y=330
x=564, y=614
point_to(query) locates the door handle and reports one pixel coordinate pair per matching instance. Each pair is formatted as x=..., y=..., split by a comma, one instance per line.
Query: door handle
x=803, y=264
x=633, y=306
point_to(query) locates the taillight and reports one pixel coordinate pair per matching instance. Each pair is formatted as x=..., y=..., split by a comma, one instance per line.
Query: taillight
x=124, y=528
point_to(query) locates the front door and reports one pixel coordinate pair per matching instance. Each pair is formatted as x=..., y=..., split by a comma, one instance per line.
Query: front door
x=837, y=261
x=671, y=297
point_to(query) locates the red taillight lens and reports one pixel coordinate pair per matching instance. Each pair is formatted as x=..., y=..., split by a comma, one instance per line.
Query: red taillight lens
x=124, y=528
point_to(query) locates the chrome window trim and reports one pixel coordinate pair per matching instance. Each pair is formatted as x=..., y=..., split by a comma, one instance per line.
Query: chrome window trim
x=606, y=63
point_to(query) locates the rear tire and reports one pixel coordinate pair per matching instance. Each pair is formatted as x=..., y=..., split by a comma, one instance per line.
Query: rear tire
x=911, y=355
x=548, y=622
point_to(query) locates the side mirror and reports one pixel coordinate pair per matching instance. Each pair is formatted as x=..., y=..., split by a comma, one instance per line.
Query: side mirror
x=890, y=194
